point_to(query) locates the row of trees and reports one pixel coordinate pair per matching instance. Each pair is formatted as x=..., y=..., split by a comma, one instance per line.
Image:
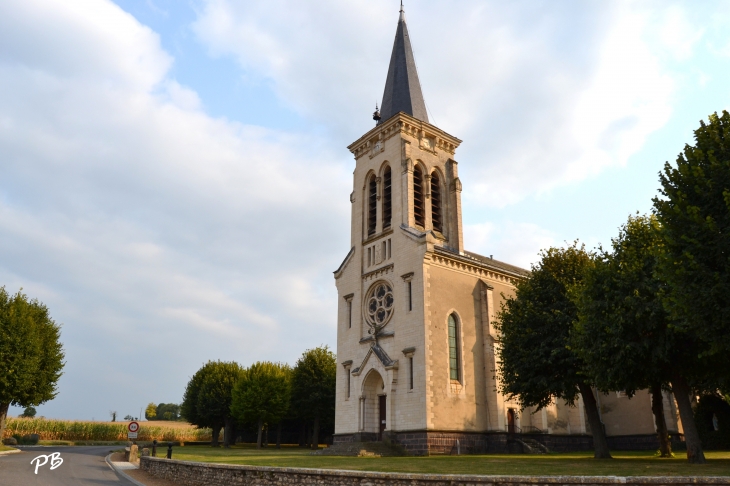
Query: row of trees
x=162, y=411
x=224, y=395
x=652, y=312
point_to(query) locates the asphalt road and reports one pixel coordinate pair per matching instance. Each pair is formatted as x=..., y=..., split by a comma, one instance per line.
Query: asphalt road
x=80, y=466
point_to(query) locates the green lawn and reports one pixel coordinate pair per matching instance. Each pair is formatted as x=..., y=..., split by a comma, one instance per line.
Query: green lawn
x=624, y=463
x=5, y=448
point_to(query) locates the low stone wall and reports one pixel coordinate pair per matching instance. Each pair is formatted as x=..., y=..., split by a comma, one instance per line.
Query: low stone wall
x=199, y=474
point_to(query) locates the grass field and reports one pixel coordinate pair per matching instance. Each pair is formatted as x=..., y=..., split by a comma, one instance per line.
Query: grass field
x=624, y=463
x=5, y=448
x=70, y=430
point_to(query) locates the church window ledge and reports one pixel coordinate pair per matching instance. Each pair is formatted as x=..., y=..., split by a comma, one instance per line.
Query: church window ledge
x=376, y=237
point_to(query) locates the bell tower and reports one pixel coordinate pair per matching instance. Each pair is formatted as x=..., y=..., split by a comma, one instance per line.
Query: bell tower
x=406, y=200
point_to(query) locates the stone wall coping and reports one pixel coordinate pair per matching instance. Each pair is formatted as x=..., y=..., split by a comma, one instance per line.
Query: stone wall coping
x=456, y=478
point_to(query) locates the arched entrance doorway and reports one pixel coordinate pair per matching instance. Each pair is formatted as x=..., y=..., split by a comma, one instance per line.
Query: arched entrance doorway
x=374, y=411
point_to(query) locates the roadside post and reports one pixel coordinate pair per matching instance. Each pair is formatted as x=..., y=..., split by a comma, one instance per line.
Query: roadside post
x=154, y=448
x=169, y=450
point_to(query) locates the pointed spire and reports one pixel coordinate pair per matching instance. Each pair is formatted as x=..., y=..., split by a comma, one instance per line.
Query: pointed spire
x=402, y=88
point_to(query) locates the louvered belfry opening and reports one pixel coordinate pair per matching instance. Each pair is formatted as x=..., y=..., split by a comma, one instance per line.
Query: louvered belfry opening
x=372, y=205
x=419, y=212
x=436, y=218
x=387, y=199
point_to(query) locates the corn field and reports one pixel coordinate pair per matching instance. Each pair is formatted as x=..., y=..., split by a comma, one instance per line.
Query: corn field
x=49, y=429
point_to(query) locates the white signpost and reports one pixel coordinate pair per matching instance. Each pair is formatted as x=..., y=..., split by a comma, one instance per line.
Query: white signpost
x=132, y=428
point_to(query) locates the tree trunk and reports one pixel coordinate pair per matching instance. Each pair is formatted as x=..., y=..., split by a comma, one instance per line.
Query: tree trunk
x=600, y=446
x=691, y=436
x=657, y=406
x=258, y=437
x=266, y=435
x=216, y=436
x=278, y=435
x=3, y=415
x=227, y=433
x=303, y=435
x=315, y=434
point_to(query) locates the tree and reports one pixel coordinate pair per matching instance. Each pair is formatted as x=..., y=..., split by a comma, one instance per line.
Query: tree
x=694, y=212
x=262, y=395
x=29, y=412
x=624, y=335
x=168, y=411
x=207, y=399
x=31, y=355
x=113, y=414
x=536, y=362
x=150, y=413
x=313, y=387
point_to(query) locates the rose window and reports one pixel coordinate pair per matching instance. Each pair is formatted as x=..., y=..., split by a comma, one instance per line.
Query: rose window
x=379, y=304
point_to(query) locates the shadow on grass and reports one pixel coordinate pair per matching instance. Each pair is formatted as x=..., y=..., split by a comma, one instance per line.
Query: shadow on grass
x=625, y=463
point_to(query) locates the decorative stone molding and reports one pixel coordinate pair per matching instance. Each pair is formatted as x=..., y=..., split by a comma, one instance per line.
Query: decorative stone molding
x=408, y=126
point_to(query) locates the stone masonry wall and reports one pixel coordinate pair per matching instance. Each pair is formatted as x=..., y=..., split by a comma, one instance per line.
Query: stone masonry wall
x=197, y=474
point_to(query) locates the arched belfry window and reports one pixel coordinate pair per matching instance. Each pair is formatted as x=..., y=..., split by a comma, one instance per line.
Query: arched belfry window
x=387, y=198
x=419, y=212
x=372, y=204
x=436, y=217
x=454, y=365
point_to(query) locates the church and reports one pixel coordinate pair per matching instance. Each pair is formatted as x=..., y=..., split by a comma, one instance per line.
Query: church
x=415, y=328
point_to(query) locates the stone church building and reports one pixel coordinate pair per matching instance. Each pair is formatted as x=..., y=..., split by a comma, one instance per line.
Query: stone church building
x=415, y=329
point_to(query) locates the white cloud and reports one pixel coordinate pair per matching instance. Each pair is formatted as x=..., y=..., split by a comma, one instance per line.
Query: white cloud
x=149, y=228
x=514, y=243
x=543, y=96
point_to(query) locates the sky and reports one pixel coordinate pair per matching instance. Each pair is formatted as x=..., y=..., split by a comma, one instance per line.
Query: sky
x=174, y=178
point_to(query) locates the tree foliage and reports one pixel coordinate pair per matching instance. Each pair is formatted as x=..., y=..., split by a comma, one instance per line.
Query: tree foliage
x=262, y=395
x=31, y=355
x=536, y=362
x=208, y=396
x=150, y=413
x=624, y=335
x=313, y=387
x=694, y=212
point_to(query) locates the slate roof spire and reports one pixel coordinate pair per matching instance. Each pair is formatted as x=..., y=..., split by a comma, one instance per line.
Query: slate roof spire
x=402, y=88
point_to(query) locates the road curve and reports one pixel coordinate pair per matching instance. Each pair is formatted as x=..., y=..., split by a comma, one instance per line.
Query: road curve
x=81, y=466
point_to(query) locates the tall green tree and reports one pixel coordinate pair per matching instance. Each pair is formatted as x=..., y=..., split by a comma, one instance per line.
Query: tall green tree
x=625, y=335
x=694, y=211
x=313, y=387
x=536, y=362
x=262, y=395
x=207, y=398
x=31, y=355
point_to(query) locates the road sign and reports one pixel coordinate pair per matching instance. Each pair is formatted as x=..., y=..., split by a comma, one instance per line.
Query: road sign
x=133, y=427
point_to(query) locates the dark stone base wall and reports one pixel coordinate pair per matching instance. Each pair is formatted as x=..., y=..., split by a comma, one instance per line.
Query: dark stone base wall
x=423, y=443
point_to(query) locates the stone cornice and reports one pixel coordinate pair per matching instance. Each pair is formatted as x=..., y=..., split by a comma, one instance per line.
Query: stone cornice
x=448, y=259
x=407, y=125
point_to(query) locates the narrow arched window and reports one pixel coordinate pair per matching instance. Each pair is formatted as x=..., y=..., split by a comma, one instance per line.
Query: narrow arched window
x=419, y=212
x=454, y=367
x=387, y=198
x=436, y=218
x=372, y=204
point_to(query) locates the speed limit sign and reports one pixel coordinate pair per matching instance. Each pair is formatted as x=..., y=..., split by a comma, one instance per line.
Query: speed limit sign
x=132, y=429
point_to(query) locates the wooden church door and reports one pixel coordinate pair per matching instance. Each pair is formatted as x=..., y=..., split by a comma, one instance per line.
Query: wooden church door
x=381, y=416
